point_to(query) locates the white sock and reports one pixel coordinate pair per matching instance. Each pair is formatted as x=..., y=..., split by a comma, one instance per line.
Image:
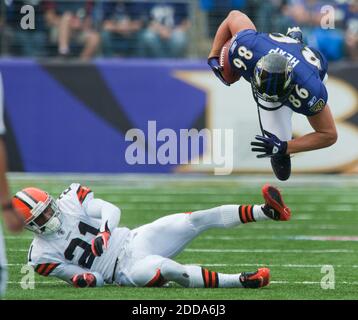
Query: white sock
x=226, y=216
x=259, y=214
x=203, y=278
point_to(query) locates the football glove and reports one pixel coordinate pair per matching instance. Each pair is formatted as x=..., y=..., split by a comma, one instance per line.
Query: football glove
x=84, y=280
x=214, y=64
x=295, y=33
x=269, y=145
x=101, y=242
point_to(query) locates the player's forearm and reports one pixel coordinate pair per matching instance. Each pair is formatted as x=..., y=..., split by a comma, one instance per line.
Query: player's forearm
x=311, y=141
x=223, y=34
x=74, y=275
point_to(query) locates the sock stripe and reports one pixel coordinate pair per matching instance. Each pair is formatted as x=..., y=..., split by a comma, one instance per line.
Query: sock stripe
x=215, y=279
x=210, y=278
x=246, y=213
x=205, y=274
x=242, y=214
x=249, y=214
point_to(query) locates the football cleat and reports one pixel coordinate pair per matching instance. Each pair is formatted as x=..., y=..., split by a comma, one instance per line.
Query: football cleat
x=274, y=206
x=281, y=166
x=257, y=279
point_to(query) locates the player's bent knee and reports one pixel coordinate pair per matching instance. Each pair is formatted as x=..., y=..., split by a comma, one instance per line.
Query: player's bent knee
x=173, y=271
x=147, y=272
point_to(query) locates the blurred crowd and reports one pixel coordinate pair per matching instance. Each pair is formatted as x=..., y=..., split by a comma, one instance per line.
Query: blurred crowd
x=162, y=29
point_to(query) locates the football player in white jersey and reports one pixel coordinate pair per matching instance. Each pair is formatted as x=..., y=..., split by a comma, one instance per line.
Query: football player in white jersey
x=77, y=239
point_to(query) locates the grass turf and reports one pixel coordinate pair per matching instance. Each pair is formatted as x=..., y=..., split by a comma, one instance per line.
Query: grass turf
x=328, y=209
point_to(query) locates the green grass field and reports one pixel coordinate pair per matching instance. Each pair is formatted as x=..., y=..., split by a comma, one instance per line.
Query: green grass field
x=295, y=251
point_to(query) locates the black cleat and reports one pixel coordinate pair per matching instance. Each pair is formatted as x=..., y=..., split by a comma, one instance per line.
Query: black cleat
x=281, y=166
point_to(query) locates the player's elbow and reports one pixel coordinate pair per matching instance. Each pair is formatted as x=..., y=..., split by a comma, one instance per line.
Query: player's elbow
x=236, y=14
x=330, y=138
x=237, y=21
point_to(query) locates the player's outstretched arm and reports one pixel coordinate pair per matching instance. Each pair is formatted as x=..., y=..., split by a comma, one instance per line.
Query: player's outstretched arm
x=235, y=22
x=324, y=136
x=72, y=274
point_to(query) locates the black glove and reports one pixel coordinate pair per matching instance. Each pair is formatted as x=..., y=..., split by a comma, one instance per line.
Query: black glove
x=214, y=64
x=269, y=145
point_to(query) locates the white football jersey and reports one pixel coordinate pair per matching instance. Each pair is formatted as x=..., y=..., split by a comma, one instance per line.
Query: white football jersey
x=68, y=251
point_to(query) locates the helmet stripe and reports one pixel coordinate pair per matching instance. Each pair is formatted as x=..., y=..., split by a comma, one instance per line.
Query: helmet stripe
x=25, y=198
x=23, y=201
x=31, y=197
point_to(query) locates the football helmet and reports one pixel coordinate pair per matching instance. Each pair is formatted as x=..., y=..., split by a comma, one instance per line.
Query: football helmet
x=39, y=210
x=272, y=80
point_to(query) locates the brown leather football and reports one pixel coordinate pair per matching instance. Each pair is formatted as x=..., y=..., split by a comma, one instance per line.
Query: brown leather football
x=228, y=73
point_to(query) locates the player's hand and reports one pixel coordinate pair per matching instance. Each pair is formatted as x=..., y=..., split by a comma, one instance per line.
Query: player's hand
x=84, y=280
x=214, y=64
x=101, y=242
x=295, y=33
x=13, y=220
x=269, y=145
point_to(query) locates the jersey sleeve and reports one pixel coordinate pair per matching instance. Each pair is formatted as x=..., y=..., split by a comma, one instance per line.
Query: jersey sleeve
x=323, y=72
x=244, y=53
x=41, y=259
x=317, y=100
x=46, y=264
x=245, y=37
x=64, y=271
x=75, y=198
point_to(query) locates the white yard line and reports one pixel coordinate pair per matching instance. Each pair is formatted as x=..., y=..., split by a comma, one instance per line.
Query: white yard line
x=271, y=282
x=272, y=250
x=283, y=238
x=298, y=266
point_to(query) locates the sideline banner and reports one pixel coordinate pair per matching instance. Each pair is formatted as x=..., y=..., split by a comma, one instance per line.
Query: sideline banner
x=77, y=117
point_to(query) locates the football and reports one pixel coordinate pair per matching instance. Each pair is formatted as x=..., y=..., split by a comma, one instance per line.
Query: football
x=228, y=73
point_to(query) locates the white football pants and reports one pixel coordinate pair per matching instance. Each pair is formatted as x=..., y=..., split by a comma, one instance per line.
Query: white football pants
x=148, y=262
x=278, y=122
